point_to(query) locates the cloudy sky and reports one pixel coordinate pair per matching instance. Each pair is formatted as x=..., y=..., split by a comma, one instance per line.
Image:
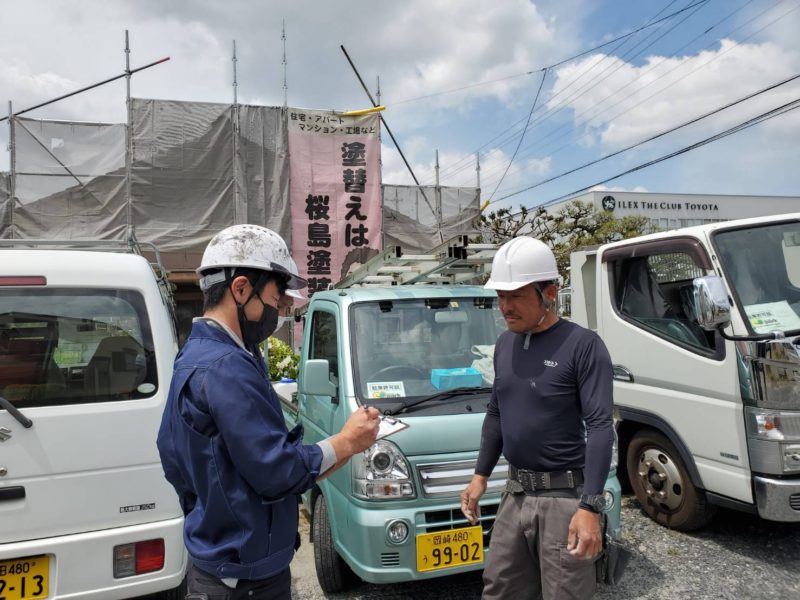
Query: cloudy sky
x=463, y=77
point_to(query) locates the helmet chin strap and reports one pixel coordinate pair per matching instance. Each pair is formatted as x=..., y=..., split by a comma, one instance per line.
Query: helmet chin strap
x=548, y=306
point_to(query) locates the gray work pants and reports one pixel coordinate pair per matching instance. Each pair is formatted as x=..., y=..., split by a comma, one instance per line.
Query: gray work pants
x=528, y=555
x=203, y=586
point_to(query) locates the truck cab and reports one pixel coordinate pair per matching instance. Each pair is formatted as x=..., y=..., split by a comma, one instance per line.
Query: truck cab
x=702, y=325
x=422, y=353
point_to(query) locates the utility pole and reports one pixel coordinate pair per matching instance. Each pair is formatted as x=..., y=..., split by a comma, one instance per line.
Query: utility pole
x=12, y=174
x=128, y=136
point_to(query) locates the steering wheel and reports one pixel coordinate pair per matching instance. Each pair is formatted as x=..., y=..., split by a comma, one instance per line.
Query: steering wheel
x=403, y=372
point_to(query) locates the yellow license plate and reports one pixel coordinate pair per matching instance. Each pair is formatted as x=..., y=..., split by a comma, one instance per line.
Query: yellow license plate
x=451, y=548
x=24, y=578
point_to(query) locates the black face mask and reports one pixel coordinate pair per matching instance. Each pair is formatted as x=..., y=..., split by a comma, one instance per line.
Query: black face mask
x=255, y=332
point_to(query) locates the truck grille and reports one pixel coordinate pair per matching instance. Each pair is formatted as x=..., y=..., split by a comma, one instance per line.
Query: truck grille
x=390, y=559
x=794, y=501
x=448, y=479
x=443, y=520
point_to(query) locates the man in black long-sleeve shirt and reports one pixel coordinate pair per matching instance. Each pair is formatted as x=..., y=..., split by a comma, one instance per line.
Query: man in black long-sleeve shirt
x=551, y=416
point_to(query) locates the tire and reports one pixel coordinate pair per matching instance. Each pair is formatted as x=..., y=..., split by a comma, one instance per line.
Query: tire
x=332, y=572
x=662, y=484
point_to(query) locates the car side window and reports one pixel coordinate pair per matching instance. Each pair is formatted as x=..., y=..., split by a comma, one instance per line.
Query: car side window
x=656, y=293
x=324, y=342
x=74, y=346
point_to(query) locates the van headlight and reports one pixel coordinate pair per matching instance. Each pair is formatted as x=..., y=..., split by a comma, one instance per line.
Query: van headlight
x=381, y=473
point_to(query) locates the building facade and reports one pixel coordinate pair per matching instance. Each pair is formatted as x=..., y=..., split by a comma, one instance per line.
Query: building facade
x=673, y=211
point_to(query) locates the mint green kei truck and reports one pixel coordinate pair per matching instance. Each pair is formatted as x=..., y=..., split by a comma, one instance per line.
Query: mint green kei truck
x=424, y=354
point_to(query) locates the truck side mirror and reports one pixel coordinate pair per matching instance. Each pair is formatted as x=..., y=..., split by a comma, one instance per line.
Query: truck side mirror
x=711, y=306
x=316, y=379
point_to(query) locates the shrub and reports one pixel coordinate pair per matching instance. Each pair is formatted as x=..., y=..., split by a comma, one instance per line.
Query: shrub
x=282, y=361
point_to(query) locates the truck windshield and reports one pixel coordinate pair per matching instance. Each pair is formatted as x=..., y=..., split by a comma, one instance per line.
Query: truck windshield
x=762, y=265
x=422, y=347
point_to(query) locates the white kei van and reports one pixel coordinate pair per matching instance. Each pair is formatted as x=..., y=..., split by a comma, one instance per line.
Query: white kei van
x=87, y=343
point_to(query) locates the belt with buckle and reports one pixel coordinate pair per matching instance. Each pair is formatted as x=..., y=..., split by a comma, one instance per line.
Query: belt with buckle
x=523, y=480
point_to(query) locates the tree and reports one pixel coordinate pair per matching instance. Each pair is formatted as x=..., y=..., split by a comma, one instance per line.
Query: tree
x=576, y=225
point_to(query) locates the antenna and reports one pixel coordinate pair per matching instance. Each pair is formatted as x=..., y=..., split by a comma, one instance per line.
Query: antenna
x=285, y=88
x=235, y=83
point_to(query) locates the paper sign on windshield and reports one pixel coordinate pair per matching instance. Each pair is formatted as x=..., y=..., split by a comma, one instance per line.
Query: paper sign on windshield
x=772, y=316
x=386, y=389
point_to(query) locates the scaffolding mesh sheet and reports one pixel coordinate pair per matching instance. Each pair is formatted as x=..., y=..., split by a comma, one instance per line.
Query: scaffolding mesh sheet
x=196, y=168
x=69, y=180
x=419, y=218
x=5, y=205
x=182, y=186
x=263, y=168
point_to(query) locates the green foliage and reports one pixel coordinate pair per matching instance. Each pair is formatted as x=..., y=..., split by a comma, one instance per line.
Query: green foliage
x=282, y=361
x=576, y=225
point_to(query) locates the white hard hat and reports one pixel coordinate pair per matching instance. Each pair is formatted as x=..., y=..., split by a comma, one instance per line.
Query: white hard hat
x=521, y=261
x=295, y=272
x=251, y=247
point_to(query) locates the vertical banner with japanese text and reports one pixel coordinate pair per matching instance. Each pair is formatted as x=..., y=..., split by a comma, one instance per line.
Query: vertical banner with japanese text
x=335, y=191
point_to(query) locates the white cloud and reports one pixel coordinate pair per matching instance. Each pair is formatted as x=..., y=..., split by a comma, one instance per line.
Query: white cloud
x=613, y=188
x=681, y=88
x=458, y=169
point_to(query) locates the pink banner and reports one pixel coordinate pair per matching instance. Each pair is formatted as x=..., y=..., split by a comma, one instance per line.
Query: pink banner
x=334, y=165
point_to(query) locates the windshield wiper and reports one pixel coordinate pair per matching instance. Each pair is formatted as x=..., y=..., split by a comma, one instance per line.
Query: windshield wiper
x=461, y=391
x=761, y=337
x=12, y=410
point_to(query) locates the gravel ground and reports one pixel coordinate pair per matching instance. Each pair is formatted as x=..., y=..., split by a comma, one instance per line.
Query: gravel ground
x=737, y=556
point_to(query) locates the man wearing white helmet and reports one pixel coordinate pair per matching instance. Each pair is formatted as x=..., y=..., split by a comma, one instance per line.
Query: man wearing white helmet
x=223, y=441
x=550, y=415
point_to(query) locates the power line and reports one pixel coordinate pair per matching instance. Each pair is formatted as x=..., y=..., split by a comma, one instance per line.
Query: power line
x=460, y=165
x=553, y=135
x=659, y=135
x=783, y=109
x=521, y=137
x=693, y=70
x=542, y=142
x=622, y=37
x=559, y=63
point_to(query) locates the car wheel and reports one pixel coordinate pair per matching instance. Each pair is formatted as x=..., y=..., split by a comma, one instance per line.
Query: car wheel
x=332, y=572
x=662, y=485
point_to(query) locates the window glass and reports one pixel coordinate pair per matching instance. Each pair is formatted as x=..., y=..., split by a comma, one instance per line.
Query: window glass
x=762, y=265
x=324, y=341
x=420, y=347
x=676, y=266
x=64, y=346
x=657, y=293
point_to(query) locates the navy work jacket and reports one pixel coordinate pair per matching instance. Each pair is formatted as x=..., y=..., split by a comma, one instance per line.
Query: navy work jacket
x=225, y=448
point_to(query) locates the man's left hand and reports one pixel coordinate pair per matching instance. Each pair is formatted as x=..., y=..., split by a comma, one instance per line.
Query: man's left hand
x=584, y=539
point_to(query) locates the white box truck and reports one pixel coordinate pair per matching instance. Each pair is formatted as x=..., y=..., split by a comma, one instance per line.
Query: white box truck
x=702, y=325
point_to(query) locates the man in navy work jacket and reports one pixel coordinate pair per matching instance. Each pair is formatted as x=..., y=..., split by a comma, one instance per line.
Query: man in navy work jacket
x=550, y=415
x=223, y=441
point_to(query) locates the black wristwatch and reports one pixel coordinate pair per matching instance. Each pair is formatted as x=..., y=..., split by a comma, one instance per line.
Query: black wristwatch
x=593, y=502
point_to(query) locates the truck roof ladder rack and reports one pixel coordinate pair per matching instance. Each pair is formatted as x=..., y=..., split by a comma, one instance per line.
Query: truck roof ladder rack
x=455, y=261
x=130, y=244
